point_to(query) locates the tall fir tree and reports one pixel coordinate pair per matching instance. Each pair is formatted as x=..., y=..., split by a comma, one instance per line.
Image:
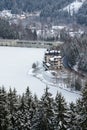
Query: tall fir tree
x=12, y=104
x=43, y=119
x=82, y=113
x=5, y=118
x=72, y=124
x=38, y=121
x=22, y=116
x=29, y=102
x=61, y=117
x=13, y=100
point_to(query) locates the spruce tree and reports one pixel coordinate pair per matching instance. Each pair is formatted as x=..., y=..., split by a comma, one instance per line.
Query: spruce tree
x=12, y=104
x=78, y=110
x=29, y=102
x=38, y=121
x=82, y=114
x=5, y=118
x=36, y=101
x=22, y=116
x=61, y=117
x=13, y=100
x=72, y=124
x=43, y=119
x=28, y=98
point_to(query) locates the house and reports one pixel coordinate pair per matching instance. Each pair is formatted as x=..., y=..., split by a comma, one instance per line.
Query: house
x=53, y=60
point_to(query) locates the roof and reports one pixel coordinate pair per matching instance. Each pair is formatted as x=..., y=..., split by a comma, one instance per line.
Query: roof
x=55, y=58
x=48, y=64
x=52, y=52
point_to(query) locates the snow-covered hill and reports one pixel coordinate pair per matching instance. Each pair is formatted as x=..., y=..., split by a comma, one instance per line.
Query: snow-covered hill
x=74, y=7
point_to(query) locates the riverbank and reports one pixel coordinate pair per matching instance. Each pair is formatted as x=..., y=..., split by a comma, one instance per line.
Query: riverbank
x=30, y=44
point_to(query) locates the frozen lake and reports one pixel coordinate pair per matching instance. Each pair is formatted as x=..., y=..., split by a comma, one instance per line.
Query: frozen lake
x=15, y=64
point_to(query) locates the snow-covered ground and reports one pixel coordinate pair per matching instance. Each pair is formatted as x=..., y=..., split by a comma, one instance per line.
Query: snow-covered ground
x=16, y=71
x=74, y=6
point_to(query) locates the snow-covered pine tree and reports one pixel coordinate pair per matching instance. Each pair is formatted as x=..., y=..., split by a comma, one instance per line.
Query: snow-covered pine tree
x=22, y=116
x=78, y=110
x=43, y=119
x=82, y=114
x=5, y=118
x=36, y=101
x=13, y=100
x=28, y=97
x=72, y=123
x=38, y=121
x=29, y=102
x=35, y=105
x=47, y=103
x=12, y=104
x=61, y=117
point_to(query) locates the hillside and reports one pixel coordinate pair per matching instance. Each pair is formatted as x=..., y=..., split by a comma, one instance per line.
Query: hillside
x=57, y=10
x=74, y=6
x=47, y=7
x=75, y=50
x=82, y=14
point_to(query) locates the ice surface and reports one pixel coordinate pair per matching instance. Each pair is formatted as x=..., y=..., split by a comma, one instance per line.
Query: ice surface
x=16, y=71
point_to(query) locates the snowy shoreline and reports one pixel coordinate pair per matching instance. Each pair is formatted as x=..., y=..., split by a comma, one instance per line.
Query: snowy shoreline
x=15, y=66
x=51, y=82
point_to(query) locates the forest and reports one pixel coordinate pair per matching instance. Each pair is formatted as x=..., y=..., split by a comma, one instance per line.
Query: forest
x=48, y=8
x=75, y=51
x=82, y=14
x=13, y=31
x=27, y=112
x=7, y=31
x=33, y=5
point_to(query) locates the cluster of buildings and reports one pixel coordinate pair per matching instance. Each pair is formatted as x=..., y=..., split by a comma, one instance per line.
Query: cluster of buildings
x=53, y=32
x=45, y=31
x=53, y=60
x=9, y=15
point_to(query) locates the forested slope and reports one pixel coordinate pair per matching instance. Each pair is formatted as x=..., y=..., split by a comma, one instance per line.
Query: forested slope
x=13, y=31
x=76, y=52
x=82, y=14
x=7, y=31
x=47, y=7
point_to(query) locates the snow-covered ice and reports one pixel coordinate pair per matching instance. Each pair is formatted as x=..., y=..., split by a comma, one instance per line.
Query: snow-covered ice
x=16, y=71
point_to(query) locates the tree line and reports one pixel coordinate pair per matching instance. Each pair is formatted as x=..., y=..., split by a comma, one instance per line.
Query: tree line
x=7, y=31
x=75, y=50
x=48, y=8
x=82, y=14
x=27, y=112
x=35, y=5
x=14, y=31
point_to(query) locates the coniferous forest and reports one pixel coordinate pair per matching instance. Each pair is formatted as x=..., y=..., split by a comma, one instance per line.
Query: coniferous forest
x=48, y=8
x=16, y=6
x=27, y=112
